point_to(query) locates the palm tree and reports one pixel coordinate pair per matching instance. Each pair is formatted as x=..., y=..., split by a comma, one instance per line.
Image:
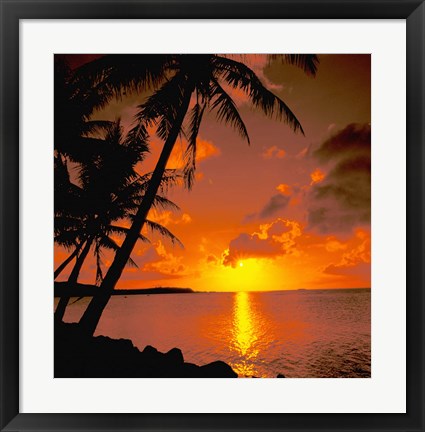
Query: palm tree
x=111, y=190
x=102, y=240
x=204, y=77
x=68, y=220
x=75, y=142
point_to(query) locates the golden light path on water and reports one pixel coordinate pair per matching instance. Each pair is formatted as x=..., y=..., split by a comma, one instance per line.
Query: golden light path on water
x=245, y=334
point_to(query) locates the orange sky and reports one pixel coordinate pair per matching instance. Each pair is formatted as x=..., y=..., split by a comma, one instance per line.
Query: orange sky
x=289, y=211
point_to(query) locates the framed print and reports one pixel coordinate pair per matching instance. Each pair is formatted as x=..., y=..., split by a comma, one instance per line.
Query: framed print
x=235, y=191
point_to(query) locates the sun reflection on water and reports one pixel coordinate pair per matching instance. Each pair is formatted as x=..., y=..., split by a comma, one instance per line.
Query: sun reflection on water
x=244, y=335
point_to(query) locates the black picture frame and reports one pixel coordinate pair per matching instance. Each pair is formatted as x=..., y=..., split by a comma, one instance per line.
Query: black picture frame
x=14, y=10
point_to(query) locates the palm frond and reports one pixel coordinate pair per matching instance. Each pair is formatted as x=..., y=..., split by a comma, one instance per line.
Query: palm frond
x=132, y=263
x=124, y=231
x=161, y=108
x=136, y=140
x=95, y=127
x=154, y=226
x=226, y=109
x=108, y=243
x=190, y=153
x=115, y=75
x=240, y=76
x=307, y=62
x=164, y=203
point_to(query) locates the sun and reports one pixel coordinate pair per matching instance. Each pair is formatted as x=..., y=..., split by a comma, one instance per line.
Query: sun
x=240, y=264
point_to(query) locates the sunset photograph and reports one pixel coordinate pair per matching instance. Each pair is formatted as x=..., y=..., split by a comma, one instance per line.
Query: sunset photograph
x=212, y=215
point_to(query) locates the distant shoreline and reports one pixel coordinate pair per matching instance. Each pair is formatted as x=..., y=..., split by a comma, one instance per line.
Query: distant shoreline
x=83, y=290
x=86, y=290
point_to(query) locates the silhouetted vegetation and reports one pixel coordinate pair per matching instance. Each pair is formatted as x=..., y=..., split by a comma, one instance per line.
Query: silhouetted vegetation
x=100, y=194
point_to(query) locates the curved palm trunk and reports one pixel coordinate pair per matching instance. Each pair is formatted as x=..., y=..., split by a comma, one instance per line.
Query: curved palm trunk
x=64, y=300
x=92, y=315
x=62, y=266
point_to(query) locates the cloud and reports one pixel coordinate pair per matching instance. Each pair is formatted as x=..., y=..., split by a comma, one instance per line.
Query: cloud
x=356, y=259
x=272, y=240
x=276, y=203
x=273, y=206
x=212, y=259
x=284, y=189
x=317, y=176
x=341, y=200
x=167, y=218
x=334, y=245
x=160, y=262
x=363, y=270
x=274, y=152
x=204, y=150
x=354, y=139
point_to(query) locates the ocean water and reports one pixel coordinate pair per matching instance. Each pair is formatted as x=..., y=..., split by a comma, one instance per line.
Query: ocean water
x=320, y=333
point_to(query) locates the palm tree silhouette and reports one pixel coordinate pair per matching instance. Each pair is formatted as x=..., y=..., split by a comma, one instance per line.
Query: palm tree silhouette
x=203, y=77
x=110, y=190
x=75, y=142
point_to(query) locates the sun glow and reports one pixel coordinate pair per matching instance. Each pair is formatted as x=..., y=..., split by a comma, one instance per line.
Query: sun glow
x=247, y=275
x=255, y=274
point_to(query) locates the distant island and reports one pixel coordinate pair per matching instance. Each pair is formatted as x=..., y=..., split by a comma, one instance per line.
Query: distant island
x=86, y=290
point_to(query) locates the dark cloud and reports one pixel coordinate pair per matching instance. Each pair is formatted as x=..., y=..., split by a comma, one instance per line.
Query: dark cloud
x=275, y=204
x=353, y=140
x=248, y=246
x=275, y=239
x=343, y=199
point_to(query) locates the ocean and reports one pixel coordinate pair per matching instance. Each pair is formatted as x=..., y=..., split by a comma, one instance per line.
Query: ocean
x=300, y=334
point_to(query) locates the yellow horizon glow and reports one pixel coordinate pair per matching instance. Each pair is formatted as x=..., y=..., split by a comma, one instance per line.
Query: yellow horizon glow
x=251, y=274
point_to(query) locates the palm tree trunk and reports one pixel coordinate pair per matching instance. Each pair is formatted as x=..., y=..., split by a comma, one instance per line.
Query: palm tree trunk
x=92, y=315
x=62, y=266
x=72, y=281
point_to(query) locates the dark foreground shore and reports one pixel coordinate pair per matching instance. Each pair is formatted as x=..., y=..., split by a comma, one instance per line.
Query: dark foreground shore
x=103, y=357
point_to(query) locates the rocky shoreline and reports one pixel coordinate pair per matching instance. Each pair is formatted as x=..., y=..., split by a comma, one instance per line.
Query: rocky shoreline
x=103, y=357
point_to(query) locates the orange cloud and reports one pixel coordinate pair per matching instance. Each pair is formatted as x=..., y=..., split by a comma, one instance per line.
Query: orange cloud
x=284, y=189
x=317, y=176
x=165, y=262
x=204, y=150
x=167, y=218
x=333, y=245
x=274, y=151
x=358, y=255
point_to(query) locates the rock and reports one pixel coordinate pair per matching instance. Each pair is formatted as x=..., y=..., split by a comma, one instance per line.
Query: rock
x=217, y=369
x=175, y=355
x=280, y=376
x=79, y=356
x=150, y=351
x=190, y=370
